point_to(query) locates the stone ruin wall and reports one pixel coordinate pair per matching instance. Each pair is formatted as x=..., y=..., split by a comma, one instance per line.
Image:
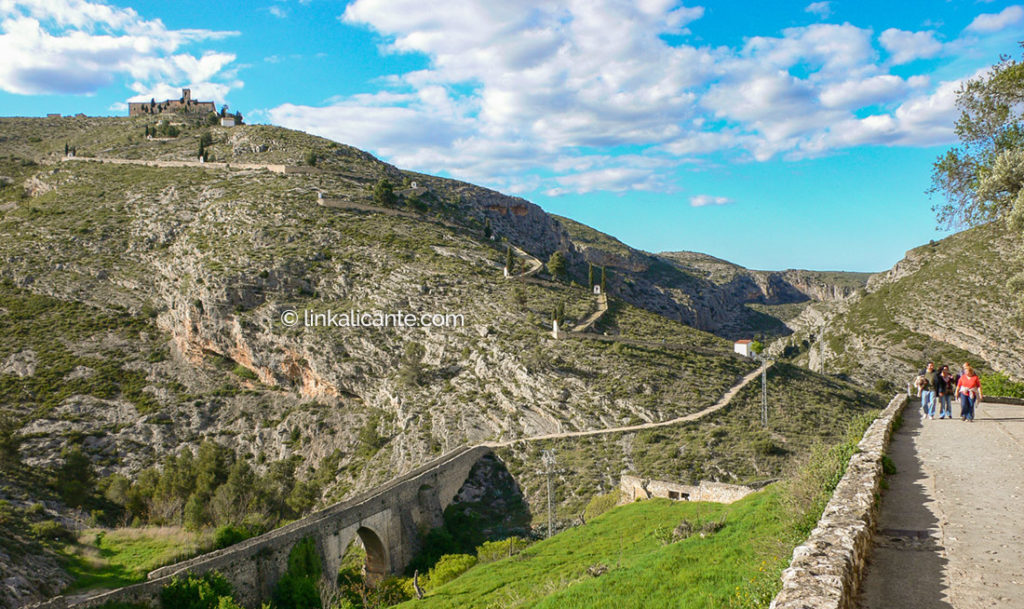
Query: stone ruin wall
x=633, y=488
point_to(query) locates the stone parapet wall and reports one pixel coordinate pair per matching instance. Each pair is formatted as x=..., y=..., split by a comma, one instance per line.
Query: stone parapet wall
x=1002, y=400
x=826, y=570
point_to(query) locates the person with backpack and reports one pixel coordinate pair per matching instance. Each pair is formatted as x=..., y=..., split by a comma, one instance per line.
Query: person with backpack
x=928, y=390
x=945, y=389
x=968, y=388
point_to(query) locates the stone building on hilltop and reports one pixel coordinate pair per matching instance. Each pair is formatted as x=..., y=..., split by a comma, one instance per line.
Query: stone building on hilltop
x=185, y=104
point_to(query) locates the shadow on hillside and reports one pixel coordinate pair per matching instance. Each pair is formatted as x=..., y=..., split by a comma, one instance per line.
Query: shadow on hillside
x=905, y=566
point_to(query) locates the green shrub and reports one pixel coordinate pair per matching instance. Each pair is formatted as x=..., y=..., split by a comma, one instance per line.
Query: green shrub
x=229, y=535
x=244, y=372
x=888, y=466
x=75, y=479
x=195, y=592
x=491, y=551
x=448, y=568
x=10, y=442
x=297, y=588
x=51, y=530
x=296, y=592
x=599, y=504
x=999, y=384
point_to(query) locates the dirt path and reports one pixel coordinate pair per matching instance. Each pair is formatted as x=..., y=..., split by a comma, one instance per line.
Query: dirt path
x=534, y=265
x=951, y=525
x=720, y=404
x=602, y=308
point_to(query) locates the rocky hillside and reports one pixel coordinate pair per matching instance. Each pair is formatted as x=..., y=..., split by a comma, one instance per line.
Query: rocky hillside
x=945, y=301
x=144, y=310
x=710, y=293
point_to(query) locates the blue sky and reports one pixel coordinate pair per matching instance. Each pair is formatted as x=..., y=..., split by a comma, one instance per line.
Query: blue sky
x=774, y=135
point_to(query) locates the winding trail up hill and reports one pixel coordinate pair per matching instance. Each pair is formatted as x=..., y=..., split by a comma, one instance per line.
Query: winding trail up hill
x=951, y=527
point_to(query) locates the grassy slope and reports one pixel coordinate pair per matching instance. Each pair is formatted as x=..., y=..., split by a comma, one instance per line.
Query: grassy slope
x=105, y=558
x=643, y=570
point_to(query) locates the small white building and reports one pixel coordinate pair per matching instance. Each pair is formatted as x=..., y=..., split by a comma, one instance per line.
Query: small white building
x=743, y=347
x=227, y=121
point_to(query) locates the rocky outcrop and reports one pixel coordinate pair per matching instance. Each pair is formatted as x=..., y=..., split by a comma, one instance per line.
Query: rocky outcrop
x=827, y=568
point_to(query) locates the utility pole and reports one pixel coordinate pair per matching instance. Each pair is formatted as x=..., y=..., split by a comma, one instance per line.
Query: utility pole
x=548, y=458
x=764, y=393
x=764, y=359
x=821, y=349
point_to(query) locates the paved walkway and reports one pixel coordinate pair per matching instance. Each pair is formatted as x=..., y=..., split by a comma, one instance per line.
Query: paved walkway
x=951, y=525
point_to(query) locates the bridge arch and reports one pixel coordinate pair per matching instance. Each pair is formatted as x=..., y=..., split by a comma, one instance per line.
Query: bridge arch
x=377, y=565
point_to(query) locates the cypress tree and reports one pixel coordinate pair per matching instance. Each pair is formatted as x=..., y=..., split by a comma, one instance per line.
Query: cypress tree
x=590, y=275
x=603, y=289
x=508, y=260
x=559, y=314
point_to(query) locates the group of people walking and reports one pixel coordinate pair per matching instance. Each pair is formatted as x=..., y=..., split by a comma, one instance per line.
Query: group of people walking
x=937, y=386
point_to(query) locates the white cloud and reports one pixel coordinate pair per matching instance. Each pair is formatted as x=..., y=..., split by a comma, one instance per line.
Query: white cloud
x=857, y=93
x=539, y=95
x=993, y=22
x=826, y=49
x=278, y=11
x=612, y=179
x=905, y=47
x=703, y=200
x=79, y=46
x=821, y=9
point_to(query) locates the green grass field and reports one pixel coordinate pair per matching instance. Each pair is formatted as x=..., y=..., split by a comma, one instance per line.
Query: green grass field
x=735, y=566
x=105, y=558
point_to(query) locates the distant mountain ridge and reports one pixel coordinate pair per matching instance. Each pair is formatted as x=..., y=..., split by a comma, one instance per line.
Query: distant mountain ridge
x=945, y=301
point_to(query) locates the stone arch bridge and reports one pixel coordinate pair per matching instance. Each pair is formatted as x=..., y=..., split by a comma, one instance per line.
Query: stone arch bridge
x=387, y=520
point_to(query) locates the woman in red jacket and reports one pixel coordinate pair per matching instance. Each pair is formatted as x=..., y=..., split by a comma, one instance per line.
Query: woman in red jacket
x=968, y=389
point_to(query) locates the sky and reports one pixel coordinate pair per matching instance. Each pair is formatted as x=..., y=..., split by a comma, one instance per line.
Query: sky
x=771, y=134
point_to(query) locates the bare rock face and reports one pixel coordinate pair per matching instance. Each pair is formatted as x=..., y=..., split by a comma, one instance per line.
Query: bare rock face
x=35, y=186
x=20, y=364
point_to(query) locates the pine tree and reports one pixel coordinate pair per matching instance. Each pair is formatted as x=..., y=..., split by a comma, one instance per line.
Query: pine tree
x=556, y=265
x=384, y=193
